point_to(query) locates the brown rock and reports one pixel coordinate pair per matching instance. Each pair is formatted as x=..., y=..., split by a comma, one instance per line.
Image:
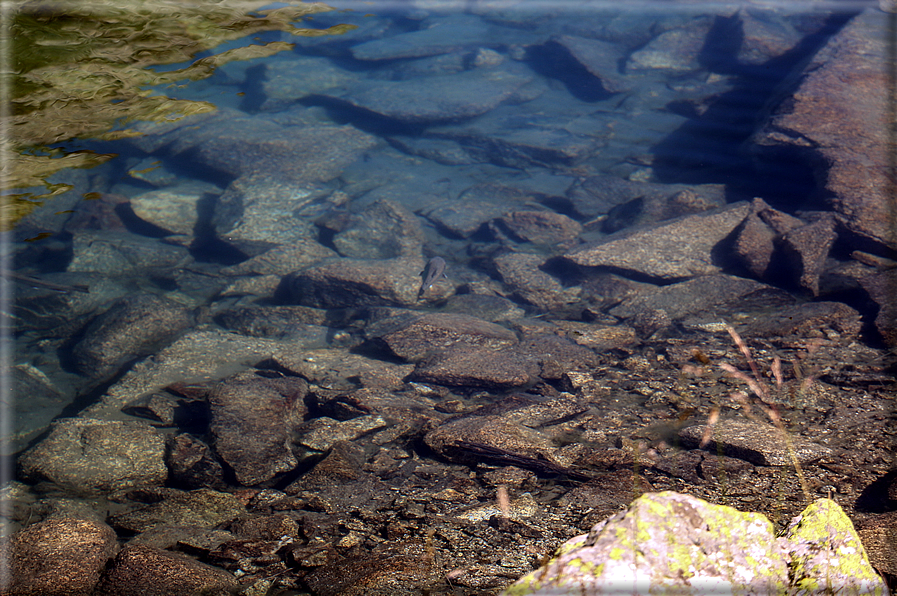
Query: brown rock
x=676, y=50
x=541, y=227
x=756, y=442
x=839, y=118
x=811, y=319
x=413, y=338
x=755, y=240
x=332, y=368
x=676, y=249
x=144, y=571
x=882, y=289
x=806, y=249
x=700, y=294
x=341, y=283
x=463, y=367
x=170, y=507
x=382, y=230
x=556, y=356
x=134, y=326
x=98, y=455
x=283, y=259
x=522, y=274
x=450, y=439
x=380, y=573
x=191, y=464
x=252, y=418
x=765, y=35
x=59, y=556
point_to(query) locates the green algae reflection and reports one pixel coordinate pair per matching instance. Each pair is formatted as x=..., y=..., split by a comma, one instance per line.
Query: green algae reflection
x=82, y=69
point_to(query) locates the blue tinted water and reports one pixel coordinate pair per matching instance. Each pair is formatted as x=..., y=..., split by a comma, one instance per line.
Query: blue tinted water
x=538, y=96
x=529, y=96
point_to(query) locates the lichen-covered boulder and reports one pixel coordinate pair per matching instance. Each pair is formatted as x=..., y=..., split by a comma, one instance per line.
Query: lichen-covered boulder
x=672, y=543
x=666, y=543
x=826, y=554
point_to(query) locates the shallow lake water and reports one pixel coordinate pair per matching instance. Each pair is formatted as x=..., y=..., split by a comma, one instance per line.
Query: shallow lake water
x=566, y=188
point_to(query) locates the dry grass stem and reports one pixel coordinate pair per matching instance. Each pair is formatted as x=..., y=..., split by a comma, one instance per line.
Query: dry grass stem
x=757, y=386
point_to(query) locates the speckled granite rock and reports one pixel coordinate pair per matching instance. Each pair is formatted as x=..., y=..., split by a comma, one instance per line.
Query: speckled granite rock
x=252, y=417
x=466, y=366
x=145, y=571
x=383, y=230
x=132, y=327
x=837, y=121
x=97, y=455
x=756, y=442
x=677, y=249
x=58, y=556
x=413, y=337
x=169, y=507
x=340, y=283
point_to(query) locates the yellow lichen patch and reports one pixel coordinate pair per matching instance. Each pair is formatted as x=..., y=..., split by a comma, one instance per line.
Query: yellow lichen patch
x=835, y=561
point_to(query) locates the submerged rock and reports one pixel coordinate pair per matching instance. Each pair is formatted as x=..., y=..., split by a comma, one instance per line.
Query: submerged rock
x=283, y=259
x=58, y=556
x=756, y=442
x=704, y=293
x=340, y=283
x=472, y=367
x=837, y=122
x=522, y=273
x=144, y=571
x=252, y=420
x=114, y=253
x=242, y=146
x=600, y=58
x=134, y=326
x=810, y=319
x=457, y=440
x=438, y=98
x=673, y=250
x=207, y=353
x=677, y=50
x=412, y=338
x=880, y=287
x=192, y=464
x=541, y=227
x=383, y=230
x=96, y=455
x=175, y=209
x=258, y=212
x=448, y=35
x=169, y=507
